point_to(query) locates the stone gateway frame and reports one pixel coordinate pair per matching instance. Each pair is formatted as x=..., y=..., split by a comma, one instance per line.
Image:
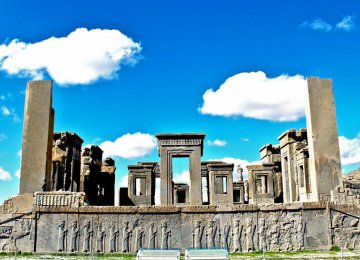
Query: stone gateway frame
x=180, y=145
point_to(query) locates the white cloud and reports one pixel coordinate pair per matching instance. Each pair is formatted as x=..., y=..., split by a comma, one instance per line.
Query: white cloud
x=20, y=153
x=5, y=111
x=183, y=177
x=244, y=139
x=2, y=137
x=4, y=175
x=18, y=173
x=81, y=57
x=254, y=95
x=349, y=150
x=346, y=24
x=317, y=25
x=130, y=146
x=217, y=142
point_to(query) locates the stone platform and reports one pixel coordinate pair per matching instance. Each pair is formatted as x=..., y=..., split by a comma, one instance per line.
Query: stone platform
x=75, y=227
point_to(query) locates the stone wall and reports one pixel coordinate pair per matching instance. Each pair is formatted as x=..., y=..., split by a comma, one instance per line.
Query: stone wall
x=242, y=228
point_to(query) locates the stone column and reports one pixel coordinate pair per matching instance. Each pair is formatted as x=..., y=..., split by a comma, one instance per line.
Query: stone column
x=37, y=137
x=195, y=177
x=166, y=194
x=324, y=152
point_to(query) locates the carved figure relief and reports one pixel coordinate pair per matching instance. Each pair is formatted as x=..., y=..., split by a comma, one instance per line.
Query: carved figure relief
x=88, y=234
x=126, y=233
x=75, y=232
x=152, y=236
x=197, y=234
x=262, y=234
x=287, y=229
x=100, y=238
x=6, y=239
x=62, y=232
x=346, y=231
x=250, y=231
x=237, y=232
x=300, y=232
x=226, y=233
x=165, y=236
x=139, y=235
x=211, y=234
x=274, y=234
x=114, y=234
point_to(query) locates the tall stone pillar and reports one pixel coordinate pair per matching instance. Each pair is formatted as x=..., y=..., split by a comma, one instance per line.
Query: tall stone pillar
x=195, y=189
x=37, y=137
x=324, y=152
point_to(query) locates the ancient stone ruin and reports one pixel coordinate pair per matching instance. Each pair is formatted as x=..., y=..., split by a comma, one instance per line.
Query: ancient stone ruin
x=294, y=199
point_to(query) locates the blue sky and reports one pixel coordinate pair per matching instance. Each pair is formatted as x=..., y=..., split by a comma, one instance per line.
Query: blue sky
x=148, y=65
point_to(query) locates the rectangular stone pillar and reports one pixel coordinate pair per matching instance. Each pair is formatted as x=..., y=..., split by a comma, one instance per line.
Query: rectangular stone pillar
x=37, y=137
x=195, y=189
x=324, y=153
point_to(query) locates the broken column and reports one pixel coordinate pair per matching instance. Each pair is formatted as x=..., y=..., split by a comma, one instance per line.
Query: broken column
x=37, y=137
x=324, y=152
x=90, y=174
x=65, y=173
x=108, y=180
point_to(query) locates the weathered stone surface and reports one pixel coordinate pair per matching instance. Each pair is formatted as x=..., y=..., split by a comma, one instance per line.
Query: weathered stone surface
x=18, y=205
x=324, y=153
x=37, y=137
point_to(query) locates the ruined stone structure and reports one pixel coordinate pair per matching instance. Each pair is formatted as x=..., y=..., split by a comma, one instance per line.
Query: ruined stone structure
x=294, y=199
x=66, y=162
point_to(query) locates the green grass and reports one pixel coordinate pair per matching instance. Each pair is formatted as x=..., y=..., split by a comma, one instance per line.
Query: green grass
x=330, y=254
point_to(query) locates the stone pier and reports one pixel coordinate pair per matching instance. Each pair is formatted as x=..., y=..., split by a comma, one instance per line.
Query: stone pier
x=37, y=137
x=324, y=152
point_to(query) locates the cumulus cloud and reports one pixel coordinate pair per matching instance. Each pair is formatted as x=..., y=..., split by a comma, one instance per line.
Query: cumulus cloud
x=346, y=24
x=254, y=95
x=81, y=57
x=4, y=175
x=130, y=146
x=217, y=142
x=183, y=177
x=349, y=150
x=317, y=25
